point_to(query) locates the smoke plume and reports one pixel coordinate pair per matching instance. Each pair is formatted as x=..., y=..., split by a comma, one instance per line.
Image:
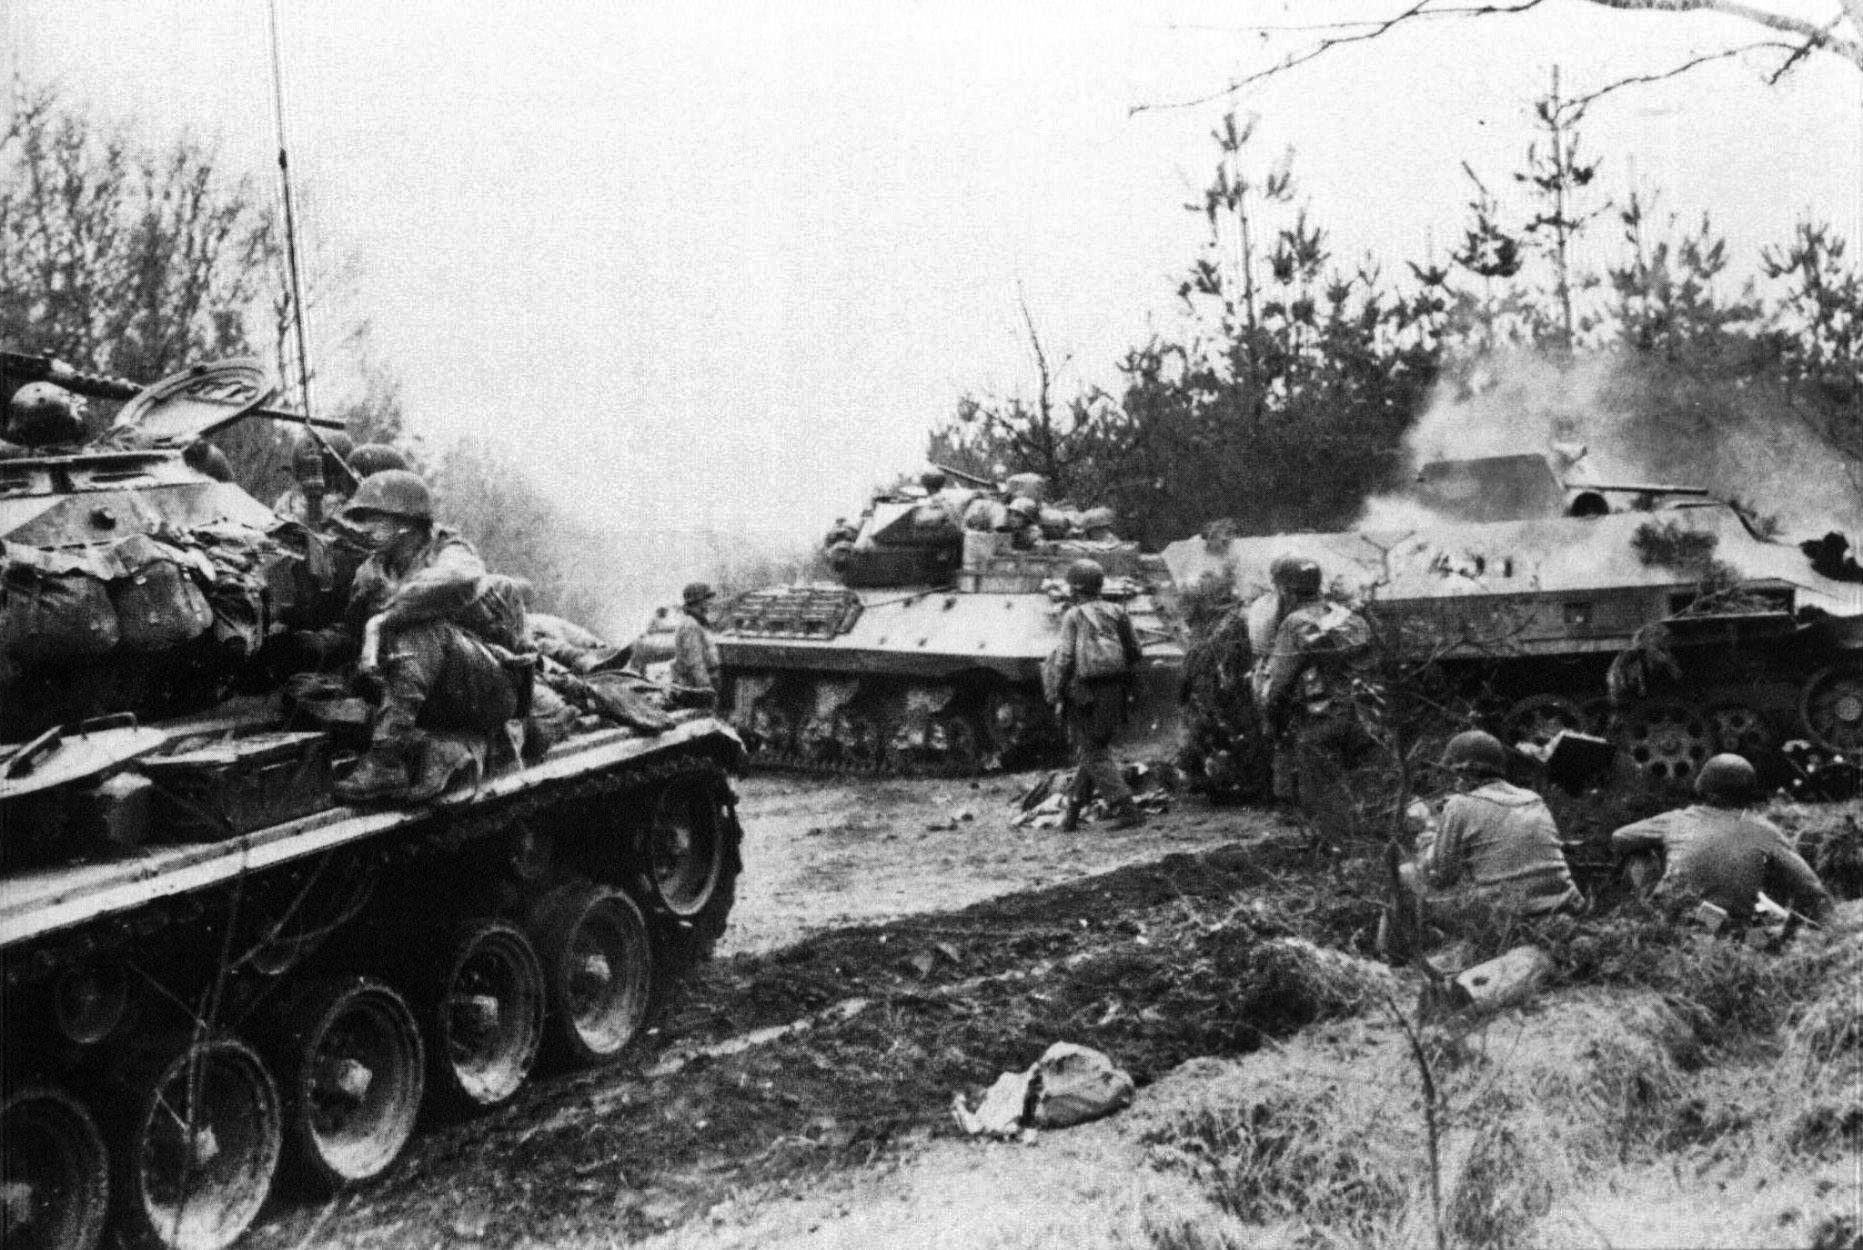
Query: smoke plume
x=1629, y=420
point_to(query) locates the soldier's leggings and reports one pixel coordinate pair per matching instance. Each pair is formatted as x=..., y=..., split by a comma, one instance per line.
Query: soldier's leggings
x=437, y=676
x=1091, y=728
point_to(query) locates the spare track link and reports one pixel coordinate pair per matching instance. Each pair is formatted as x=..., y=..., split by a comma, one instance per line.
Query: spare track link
x=442, y=831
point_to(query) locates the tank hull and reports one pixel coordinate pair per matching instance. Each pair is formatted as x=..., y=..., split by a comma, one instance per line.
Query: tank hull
x=1599, y=623
x=921, y=679
x=222, y=941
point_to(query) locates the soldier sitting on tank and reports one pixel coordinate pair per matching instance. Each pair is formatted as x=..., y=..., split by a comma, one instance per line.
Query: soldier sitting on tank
x=1020, y=524
x=1491, y=846
x=41, y=414
x=372, y=458
x=1720, y=853
x=310, y=460
x=441, y=648
x=1088, y=678
x=1303, y=686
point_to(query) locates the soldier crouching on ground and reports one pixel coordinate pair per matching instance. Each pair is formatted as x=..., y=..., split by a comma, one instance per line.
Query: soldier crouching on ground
x=1088, y=677
x=1494, y=846
x=440, y=646
x=1716, y=852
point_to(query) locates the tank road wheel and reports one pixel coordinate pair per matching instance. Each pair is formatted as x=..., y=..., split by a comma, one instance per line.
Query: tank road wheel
x=351, y=1068
x=958, y=743
x=861, y=741
x=54, y=1172
x=90, y=1002
x=1541, y=718
x=598, y=966
x=1739, y=728
x=204, y=1139
x=772, y=731
x=483, y=1016
x=1666, y=741
x=1831, y=708
x=1016, y=724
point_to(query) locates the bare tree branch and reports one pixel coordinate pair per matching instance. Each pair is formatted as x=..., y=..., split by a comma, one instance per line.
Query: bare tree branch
x=1640, y=80
x=1810, y=36
x=1367, y=30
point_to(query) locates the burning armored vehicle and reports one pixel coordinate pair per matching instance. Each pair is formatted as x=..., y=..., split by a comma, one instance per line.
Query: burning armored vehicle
x=925, y=655
x=213, y=970
x=1671, y=621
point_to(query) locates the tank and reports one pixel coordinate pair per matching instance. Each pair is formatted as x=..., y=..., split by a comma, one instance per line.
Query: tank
x=1669, y=620
x=217, y=979
x=924, y=655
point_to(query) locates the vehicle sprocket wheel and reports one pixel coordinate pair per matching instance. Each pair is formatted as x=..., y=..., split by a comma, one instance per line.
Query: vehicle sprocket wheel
x=482, y=1015
x=351, y=1066
x=598, y=967
x=203, y=1141
x=54, y=1172
x=1830, y=708
x=1666, y=741
x=1540, y=718
x=685, y=850
x=1739, y=728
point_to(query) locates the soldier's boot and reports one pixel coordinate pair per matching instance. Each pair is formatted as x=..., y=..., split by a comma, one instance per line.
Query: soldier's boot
x=384, y=774
x=1070, y=815
x=440, y=761
x=380, y=776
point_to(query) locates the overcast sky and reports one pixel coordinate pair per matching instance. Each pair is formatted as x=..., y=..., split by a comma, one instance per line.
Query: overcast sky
x=722, y=264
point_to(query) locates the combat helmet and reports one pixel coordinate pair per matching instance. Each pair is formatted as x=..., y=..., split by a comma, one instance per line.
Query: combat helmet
x=1296, y=575
x=1475, y=753
x=41, y=415
x=372, y=458
x=1086, y=576
x=393, y=492
x=1726, y=780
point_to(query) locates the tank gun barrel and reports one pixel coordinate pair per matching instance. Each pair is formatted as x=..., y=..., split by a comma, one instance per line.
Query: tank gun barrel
x=23, y=367
x=972, y=478
x=1701, y=492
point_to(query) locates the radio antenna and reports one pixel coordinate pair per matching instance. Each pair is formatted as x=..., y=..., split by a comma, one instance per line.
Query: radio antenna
x=291, y=225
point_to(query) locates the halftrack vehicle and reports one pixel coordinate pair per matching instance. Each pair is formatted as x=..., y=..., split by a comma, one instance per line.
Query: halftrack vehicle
x=925, y=655
x=212, y=973
x=1669, y=620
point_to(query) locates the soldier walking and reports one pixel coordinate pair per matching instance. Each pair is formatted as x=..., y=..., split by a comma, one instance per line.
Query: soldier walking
x=695, y=653
x=1088, y=678
x=1303, y=692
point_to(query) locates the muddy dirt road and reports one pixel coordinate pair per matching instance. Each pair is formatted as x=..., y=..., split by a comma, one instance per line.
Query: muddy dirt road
x=912, y=942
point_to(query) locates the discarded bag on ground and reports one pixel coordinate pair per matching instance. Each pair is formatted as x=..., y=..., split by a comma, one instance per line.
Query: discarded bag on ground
x=1070, y=1084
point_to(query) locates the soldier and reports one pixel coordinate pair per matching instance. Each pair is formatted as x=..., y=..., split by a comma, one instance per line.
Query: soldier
x=372, y=458
x=695, y=654
x=1088, y=678
x=1096, y=525
x=1717, y=852
x=204, y=457
x=43, y=415
x=407, y=605
x=1303, y=693
x=1495, y=841
x=1020, y=521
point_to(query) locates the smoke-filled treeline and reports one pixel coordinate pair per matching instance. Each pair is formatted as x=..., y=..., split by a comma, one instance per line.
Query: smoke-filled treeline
x=1302, y=386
